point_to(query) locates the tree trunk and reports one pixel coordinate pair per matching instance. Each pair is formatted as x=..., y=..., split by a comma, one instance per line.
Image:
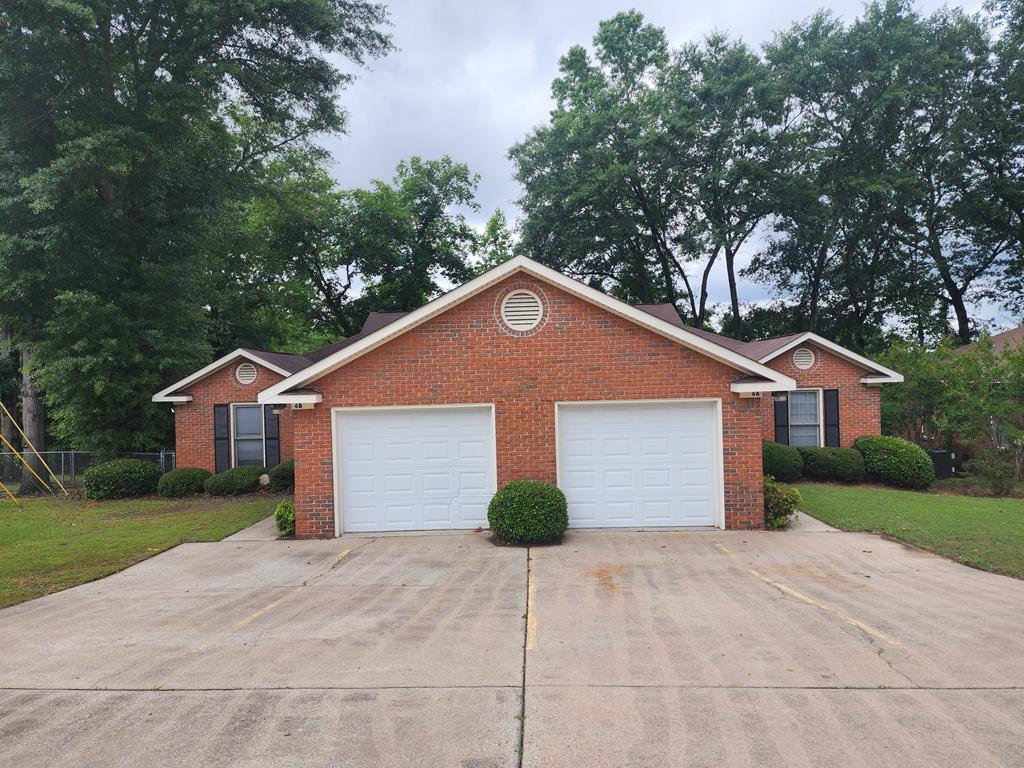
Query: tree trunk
x=33, y=424
x=730, y=270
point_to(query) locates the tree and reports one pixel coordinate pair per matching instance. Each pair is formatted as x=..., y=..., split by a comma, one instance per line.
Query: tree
x=325, y=257
x=497, y=243
x=724, y=120
x=125, y=130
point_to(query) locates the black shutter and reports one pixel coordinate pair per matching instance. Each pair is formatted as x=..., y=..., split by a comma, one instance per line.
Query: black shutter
x=782, y=421
x=831, y=397
x=221, y=438
x=271, y=436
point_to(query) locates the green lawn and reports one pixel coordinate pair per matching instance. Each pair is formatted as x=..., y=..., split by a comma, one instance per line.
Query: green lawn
x=50, y=545
x=985, y=533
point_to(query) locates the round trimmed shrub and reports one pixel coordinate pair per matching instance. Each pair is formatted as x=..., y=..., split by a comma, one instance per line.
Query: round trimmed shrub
x=182, y=481
x=845, y=465
x=282, y=477
x=121, y=479
x=780, y=503
x=783, y=462
x=895, y=461
x=528, y=512
x=232, y=482
x=284, y=516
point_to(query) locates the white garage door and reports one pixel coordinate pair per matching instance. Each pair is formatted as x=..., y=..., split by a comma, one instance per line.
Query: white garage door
x=639, y=465
x=415, y=469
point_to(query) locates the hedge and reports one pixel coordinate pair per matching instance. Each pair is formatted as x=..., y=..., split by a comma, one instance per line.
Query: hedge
x=895, y=461
x=282, y=477
x=232, y=482
x=182, y=481
x=780, y=503
x=528, y=512
x=782, y=462
x=843, y=464
x=121, y=478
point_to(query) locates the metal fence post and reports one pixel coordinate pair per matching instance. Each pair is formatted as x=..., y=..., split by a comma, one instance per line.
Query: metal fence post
x=73, y=466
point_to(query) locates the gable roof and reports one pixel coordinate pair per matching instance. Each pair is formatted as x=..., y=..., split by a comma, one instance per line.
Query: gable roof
x=279, y=362
x=765, y=350
x=344, y=352
x=374, y=322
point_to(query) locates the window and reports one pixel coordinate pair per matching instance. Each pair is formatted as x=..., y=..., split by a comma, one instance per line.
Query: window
x=804, y=418
x=248, y=435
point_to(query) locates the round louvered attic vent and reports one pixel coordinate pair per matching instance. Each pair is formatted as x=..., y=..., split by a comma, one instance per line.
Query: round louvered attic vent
x=521, y=310
x=803, y=358
x=245, y=373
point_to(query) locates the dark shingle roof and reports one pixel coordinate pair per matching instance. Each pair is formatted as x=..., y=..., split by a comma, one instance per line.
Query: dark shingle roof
x=1003, y=342
x=374, y=322
x=283, y=360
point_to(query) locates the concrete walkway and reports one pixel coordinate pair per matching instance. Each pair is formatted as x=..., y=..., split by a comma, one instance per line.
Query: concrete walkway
x=624, y=649
x=264, y=530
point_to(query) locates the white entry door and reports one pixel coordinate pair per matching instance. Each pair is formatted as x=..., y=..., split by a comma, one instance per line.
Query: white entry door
x=638, y=465
x=412, y=469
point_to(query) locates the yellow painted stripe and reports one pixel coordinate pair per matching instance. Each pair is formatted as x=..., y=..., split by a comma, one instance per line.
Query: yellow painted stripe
x=811, y=601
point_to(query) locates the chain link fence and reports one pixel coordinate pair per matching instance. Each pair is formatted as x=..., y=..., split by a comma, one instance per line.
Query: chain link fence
x=68, y=466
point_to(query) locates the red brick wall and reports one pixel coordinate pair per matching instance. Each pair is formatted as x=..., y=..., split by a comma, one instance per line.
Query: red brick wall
x=193, y=421
x=580, y=353
x=859, y=404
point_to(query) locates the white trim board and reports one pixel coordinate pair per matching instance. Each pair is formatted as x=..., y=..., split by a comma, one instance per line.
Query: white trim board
x=879, y=375
x=774, y=381
x=165, y=395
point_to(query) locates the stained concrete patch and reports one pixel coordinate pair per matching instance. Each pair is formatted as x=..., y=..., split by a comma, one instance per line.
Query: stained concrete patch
x=278, y=729
x=667, y=727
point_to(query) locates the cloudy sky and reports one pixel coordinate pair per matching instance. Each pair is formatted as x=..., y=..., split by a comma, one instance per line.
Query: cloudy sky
x=472, y=78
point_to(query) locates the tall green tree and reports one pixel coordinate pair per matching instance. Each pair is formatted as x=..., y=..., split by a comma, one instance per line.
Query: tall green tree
x=124, y=129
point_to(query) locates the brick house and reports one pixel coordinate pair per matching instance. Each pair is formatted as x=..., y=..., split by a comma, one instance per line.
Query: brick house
x=522, y=372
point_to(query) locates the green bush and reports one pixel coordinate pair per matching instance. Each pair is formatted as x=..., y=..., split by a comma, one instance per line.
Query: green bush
x=843, y=464
x=182, y=481
x=284, y=516
x=282, y=477
x=232, y=482
x=782, y=462
x=121, y=478
x=780, y=503
x=895, y=461
x=528, y=512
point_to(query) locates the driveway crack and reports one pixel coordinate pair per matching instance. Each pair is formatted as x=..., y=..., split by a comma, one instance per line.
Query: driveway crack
x=528, y=622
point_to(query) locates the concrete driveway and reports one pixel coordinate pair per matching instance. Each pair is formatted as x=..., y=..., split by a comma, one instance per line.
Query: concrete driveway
x=804, y=648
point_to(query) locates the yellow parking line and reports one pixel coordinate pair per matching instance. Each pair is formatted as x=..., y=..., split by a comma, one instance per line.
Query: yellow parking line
x=810, y=601
x=531, y=616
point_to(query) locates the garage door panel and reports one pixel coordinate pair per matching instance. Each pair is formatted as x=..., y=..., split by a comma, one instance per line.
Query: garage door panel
x=635, y=465
x=415, y=469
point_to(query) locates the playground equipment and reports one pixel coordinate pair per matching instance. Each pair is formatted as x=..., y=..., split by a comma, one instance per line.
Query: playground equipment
x=25, y=462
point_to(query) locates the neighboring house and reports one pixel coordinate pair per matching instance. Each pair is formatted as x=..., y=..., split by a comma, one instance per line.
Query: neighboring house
x=1007, y=341
x=522, y=372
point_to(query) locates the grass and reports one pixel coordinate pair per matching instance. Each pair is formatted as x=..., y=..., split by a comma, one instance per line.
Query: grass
x=48, y=545
x=986, y=533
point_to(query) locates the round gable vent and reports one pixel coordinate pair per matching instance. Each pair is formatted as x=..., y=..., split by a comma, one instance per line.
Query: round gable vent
x=245, y=373
x=522, y=310
x=803, y=358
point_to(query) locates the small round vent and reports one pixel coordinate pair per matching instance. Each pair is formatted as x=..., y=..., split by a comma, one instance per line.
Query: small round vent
x=521, y=310
x=803, y=358
x=245, y=373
